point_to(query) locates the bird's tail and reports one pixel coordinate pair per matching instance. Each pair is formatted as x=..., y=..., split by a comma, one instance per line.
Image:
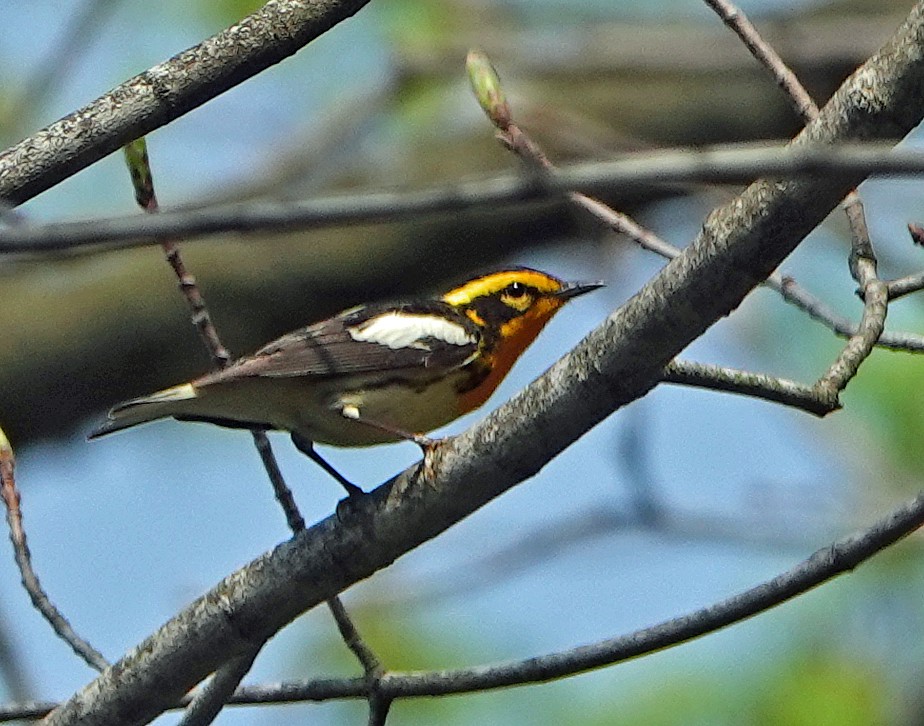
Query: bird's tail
x=148, y=408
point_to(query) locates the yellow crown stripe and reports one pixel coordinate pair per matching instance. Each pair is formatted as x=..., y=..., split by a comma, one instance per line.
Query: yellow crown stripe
x=497, y=281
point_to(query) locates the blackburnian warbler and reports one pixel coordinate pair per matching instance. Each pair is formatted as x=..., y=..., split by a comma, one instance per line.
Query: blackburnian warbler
x=372, y=374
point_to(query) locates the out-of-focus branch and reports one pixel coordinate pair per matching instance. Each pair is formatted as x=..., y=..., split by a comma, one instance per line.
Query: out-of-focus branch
x=726, y=165
x=57, y=66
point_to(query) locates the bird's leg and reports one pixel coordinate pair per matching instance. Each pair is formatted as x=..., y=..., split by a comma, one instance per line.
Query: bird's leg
x=428, y=446
x=425, y=443
x=306, y=446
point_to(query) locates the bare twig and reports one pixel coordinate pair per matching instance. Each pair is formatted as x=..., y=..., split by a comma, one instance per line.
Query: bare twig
x=875, y=294
x=793, y=293
x=803, y=103
x=379, y=702
x=811, y=399
x=165, y=92
x=763, y=52
x=905, y=285
x=30, y=580
x=208, y=702
x=820, y=399
x=739, y=163
x=828, y=562
x=862, y=259
x=139, y=167
x=283, y=494
x=790, y=290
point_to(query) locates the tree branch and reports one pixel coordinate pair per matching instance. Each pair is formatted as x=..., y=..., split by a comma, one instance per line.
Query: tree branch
x=672, y=166
x=209, y=701
x=755, y=385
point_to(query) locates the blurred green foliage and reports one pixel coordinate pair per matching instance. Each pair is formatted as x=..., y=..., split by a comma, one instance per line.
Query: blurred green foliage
x=226, y=12
x=888, y=397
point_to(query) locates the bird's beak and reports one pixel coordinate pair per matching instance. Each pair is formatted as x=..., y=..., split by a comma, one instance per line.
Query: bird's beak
x=573, y=289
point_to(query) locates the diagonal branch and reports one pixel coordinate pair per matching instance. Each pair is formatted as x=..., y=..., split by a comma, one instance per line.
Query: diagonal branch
x=205, y=705
x=862, y=261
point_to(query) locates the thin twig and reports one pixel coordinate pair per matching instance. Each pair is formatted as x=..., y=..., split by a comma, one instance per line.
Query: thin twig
x=736, y=164
x=811, y=399
x=803, y=103
x=379, y=703
x=875, y=295
x=793, y=293
x=139, y=167
x=283, y=494
x=208, y=702
x=820, y=399
x=906, y=285
x=30, y=580
x=862, y=260
x=736, y=20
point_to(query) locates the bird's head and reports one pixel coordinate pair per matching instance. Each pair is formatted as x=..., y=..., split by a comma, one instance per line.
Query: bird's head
x=512, y=306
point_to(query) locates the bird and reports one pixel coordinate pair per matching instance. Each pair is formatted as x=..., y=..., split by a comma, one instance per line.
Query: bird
x=372, y=374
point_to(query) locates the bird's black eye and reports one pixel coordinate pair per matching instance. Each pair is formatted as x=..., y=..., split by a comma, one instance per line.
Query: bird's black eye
x=515, y=289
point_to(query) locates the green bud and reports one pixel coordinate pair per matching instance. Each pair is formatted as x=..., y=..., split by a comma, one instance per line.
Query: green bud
x=487, y=87
x=136, y=158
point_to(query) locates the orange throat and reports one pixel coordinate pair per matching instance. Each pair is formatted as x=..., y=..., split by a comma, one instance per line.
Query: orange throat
x=515, y=337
